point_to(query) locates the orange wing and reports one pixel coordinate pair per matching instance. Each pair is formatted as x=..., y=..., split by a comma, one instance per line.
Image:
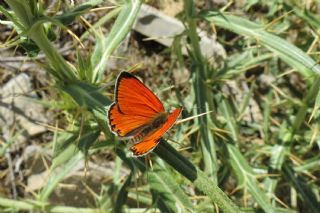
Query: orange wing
x=150, y=142
x=135, y=105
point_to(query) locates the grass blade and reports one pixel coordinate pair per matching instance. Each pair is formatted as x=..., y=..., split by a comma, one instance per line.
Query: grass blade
x=202, y=93
x=306, y=195
x=58, y=175
x=167, y=190
x=199, y=179
x=285, y=50
x=105, y=46
x=123, y=194
x=241, y=168
x=246, y=178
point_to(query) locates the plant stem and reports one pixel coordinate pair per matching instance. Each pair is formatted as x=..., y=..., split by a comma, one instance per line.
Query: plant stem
x=202, y=94
x=62, y=69
x=311, y=95
x=122, y=27
x=199, y=179
x=17, y=205
x=36, y=32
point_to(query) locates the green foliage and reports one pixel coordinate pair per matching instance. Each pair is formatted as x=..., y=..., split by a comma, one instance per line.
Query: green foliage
x=69, y=16
x=168, y=195
x=286, y=51
x=106, y=45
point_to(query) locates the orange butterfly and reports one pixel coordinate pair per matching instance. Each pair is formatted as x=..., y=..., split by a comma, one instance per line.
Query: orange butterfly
x=139, y=115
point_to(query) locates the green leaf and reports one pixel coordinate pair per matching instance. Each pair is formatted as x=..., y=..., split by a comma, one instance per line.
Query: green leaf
x=10, y=205
x=64, y=149
x=316, y=107
x=12, y=18
x=16, y=205
x=166, y=192
x=241, y=168
x=84, y=70
x=200, y=180
x=306, y=15
x=288, y=52
x=67, y=145
x=105, y=46
x=203, y=96
x=69, y=16
x=58, y=175
x=246, y=178
x=305, y=191
x=88, y=96
x=123, y=194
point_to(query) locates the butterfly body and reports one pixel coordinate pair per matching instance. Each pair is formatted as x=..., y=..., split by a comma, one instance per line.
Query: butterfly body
x=137, y=114
x=149, y=128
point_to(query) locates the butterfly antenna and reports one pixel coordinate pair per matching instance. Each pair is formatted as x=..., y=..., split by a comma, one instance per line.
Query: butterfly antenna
x=192, y=117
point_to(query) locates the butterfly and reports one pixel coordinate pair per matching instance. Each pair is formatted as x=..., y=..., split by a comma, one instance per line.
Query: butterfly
x=138, y=114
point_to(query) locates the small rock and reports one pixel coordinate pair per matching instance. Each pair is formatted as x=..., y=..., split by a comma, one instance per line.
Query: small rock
x=163, y=29
x=18, y=106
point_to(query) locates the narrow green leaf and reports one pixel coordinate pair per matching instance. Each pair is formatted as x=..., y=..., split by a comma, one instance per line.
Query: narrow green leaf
x=12, y=18
x=278, y=156
x=266, y=117
x=105, y=46
x=226, y=110
x=167, y=191
x=284, y=49
x=203, y=95
x=58, y=175
x=316, y=107
x=211, y=189
x=16, y=205
x=68, y=145
x=241, y=168
x=84, y=70
x=65, y=149
x=23, y=12
x=200, y=180
x=303, y=13
x=176, y=160
x=9, y=205
x=246, y=178
x=123, y=194
x=69, y=16
x=88, y=96
x=109, y=16
x=305, y=192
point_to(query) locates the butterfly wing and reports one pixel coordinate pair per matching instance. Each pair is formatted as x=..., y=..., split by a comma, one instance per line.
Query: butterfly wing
x=124, y=125
x=135, y=105
x=150, y=142
x=134, y=98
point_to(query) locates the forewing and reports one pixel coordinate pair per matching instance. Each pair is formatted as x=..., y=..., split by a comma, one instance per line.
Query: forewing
x=124, y=125
x=150, y=142
x=134, y=98
x=134, y=107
